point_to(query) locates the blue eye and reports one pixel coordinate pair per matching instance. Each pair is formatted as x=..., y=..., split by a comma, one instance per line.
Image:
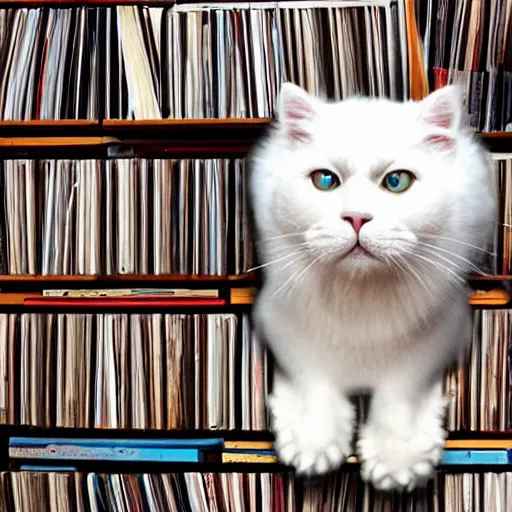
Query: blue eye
x=398, y=181
x=324, y=180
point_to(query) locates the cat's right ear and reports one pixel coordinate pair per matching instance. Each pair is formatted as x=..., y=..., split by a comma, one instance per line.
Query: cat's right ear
x=296, y=110
x=441, y=113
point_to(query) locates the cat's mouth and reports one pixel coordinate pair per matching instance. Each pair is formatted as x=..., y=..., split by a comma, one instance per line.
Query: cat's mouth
x=360, y=251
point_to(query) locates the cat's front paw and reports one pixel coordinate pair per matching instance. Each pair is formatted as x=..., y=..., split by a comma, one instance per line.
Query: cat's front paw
x=391, y=460
x=312, y=436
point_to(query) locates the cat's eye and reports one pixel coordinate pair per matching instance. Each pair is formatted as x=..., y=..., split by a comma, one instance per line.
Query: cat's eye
x=324, y=179
x=398, y=181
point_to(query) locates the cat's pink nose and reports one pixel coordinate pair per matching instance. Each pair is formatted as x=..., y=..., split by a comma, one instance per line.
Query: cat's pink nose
x=357, y=221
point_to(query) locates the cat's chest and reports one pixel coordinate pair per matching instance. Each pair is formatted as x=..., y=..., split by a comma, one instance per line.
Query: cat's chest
x=356, y=337
x=341, y=344
x=330, y=330
x=354, y=345
x=352, y=320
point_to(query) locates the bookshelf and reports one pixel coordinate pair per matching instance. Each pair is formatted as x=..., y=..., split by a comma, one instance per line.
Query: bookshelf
x=191, y=138
x=39, y=280
x=244, y=128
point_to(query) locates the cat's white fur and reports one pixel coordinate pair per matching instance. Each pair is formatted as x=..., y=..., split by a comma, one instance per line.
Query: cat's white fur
x=390, y=324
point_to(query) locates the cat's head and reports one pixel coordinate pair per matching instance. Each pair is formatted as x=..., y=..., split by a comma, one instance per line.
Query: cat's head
x=370, y=184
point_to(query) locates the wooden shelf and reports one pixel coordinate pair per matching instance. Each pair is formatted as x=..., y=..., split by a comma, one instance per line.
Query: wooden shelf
x=48, y=123
x=33, y=142
x=194, y=123
x=76, y=3
x=108, y=125
x=167, y=125
x=120, y=138
x=178, y=136
x=159, y=138
x=48, y=128
x=16, y=299
x=501, y=277
x=99, y=3
x=180, y=124
x=168, y=278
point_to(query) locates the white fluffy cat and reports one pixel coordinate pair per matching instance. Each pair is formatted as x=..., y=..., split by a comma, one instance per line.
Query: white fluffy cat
x=369, y=214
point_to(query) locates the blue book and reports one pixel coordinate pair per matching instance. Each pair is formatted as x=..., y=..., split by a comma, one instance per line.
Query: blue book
x=475, y=457
x=118, y=450
x=53, y=469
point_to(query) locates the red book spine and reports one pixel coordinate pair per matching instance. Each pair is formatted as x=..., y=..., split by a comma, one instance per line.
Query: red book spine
x=120, y=301
x=440, y=78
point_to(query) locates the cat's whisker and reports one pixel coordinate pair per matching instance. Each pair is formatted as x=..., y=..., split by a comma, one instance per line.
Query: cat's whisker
x=461, y=242
x=393, y=261
x=288, y=280
x=303, y=273
x=441, y=249
x=435, y=263
x=273, y=262
x=449, y=276
x=409, y=269
x=438, y=265
x=432, y=289
x=291, y=246
x=279, y=237
x=298, y=249
x=432, y=252
x=438, y=257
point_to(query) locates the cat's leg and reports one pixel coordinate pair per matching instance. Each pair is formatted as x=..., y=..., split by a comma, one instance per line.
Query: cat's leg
x=313, y=424
x=403, y=439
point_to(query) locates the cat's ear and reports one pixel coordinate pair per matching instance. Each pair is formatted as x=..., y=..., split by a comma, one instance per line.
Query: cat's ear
x=296, y=110
x=441, y=112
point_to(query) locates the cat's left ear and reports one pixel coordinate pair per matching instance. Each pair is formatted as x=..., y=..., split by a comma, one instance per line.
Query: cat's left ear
x=296, y=111
x=441, y=112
